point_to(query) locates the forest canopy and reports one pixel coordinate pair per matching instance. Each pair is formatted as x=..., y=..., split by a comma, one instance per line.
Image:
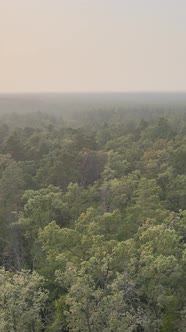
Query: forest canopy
x=93, y=217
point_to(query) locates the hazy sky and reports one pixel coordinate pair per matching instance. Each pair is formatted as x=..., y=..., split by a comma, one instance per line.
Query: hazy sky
x=92, y=45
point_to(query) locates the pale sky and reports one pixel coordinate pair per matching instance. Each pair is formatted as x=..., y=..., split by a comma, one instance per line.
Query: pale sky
x=92, y=45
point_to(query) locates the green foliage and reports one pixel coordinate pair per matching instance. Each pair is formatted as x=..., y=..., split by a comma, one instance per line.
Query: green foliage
x=99, y=214
x=22, y=302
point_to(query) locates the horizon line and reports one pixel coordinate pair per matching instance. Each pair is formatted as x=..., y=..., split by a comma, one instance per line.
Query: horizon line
x=92, y=92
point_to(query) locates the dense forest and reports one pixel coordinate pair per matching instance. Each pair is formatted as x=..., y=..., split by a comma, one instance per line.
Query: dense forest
x=92, y=220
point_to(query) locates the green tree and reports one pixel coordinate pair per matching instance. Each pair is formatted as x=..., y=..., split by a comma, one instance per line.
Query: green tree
x=22, y=302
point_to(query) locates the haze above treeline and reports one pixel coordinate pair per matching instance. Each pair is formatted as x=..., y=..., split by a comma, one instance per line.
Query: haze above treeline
x=72, y=101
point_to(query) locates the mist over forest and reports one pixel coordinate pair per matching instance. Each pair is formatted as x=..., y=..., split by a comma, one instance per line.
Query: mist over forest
x=93, y=166
x=77, y=108
x=64, y=102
